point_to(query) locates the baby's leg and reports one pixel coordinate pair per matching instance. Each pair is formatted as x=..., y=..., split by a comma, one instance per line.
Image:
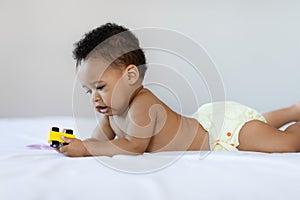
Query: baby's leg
x=283, y=116
x=258, y=136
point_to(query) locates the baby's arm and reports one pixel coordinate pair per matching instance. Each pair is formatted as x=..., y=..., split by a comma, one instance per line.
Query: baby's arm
x=129, y=146
x=103, y=131
x=139, y=130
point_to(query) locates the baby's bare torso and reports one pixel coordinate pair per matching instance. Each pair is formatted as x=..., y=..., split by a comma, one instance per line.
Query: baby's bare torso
x=171, y=131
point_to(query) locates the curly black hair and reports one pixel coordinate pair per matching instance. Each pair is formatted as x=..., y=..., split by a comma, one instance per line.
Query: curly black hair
x=115, y=43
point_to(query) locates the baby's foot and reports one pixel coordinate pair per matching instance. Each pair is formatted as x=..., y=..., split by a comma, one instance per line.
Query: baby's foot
x=296, y=106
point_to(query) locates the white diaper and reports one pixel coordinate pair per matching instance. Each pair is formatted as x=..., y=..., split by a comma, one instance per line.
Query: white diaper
x=223, y=121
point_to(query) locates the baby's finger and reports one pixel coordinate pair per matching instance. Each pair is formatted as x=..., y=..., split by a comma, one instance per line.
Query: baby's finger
x=67, y=140
x=63, y=149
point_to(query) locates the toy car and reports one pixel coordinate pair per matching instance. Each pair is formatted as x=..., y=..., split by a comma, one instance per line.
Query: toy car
x=54, y=137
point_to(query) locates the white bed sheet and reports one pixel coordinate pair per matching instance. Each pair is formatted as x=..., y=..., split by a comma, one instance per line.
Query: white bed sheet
x=44, y=174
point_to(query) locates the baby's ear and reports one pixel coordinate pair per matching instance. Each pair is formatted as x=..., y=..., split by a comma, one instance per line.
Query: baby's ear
x=133, y=74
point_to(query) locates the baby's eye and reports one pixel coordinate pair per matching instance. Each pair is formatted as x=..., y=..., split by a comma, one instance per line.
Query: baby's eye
x=88, y=91
x=100, y=87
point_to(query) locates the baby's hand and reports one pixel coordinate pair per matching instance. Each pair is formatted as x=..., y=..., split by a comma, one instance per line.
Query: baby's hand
x=75, y=148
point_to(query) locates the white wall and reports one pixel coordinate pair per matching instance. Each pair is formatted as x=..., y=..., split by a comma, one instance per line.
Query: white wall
x=255, y=45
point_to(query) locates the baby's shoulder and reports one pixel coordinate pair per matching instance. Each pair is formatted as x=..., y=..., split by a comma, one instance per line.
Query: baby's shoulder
x=144, y=100
x=146, y=95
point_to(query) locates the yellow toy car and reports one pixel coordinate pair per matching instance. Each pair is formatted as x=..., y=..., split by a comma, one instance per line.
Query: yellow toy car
x=54, y=137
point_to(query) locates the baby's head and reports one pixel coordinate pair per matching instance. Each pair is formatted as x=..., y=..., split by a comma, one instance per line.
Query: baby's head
x=111, y=66
x=113, y=43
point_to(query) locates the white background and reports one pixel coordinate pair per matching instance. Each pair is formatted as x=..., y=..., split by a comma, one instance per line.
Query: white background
x=255, y=45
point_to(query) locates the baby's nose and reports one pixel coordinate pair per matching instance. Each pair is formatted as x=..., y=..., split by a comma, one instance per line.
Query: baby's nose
x=96, y=97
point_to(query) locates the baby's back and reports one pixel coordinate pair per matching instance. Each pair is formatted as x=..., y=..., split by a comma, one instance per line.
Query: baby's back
x=174, y=132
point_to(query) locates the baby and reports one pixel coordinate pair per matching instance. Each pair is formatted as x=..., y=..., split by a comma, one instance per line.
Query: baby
x=111, y=67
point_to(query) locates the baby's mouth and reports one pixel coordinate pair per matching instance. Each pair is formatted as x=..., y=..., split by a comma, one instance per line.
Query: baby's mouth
x=102, y=109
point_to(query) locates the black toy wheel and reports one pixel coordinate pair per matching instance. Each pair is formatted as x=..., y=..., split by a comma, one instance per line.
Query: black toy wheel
x=55, y=144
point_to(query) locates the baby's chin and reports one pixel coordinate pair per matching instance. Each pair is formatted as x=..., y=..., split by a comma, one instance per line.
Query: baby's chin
x=106, y=114
x=117, y=112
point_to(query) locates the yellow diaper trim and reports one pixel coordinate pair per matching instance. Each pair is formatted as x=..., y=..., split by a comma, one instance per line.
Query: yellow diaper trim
x=224, y=145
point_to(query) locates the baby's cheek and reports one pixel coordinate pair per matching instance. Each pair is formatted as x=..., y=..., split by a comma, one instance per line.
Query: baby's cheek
x=118, y=98
x=106, y=98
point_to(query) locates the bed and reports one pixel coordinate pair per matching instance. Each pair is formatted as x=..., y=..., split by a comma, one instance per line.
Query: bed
x=31, y=170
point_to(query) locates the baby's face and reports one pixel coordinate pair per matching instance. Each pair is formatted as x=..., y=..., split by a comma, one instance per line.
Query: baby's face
x=108, y=86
